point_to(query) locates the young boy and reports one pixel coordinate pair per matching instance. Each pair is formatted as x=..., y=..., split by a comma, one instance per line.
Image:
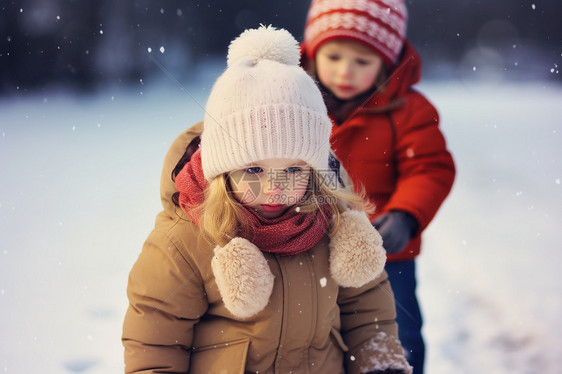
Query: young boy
x=385, y=133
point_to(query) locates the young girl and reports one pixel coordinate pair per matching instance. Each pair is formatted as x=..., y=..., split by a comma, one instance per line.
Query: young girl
x=266, y=265
x=385, y=133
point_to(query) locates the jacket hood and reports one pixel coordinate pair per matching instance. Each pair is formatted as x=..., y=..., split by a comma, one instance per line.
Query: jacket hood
x=175, y=153
x=408, y=69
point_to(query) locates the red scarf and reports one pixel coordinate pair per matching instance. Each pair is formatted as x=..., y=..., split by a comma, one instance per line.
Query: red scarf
x=290, y=234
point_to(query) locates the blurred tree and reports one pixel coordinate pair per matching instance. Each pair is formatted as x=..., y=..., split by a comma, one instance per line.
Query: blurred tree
x=88, y=43
x=47, y=42
x=526, y=36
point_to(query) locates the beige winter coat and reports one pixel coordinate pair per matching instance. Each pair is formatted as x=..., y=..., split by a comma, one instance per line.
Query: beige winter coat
x=177, y=321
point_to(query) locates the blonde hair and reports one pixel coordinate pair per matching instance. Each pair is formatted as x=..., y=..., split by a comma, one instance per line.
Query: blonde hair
x=223, y=217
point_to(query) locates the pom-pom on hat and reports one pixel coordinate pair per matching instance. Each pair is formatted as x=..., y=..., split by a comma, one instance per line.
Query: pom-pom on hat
x=378, y=24
x=264, y=106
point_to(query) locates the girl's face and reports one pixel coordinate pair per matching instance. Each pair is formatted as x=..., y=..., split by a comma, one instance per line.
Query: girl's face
x=347, y=68
x=271, y=186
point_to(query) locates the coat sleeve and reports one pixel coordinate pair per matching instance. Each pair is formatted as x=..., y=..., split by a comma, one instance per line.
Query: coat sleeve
x=166, y=300
x=369, y=329
x=425, y=168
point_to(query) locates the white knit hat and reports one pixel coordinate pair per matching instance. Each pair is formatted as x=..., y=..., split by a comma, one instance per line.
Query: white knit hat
x=264, y=106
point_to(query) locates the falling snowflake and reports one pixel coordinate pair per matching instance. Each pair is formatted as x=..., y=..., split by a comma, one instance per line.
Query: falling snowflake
x=323, y=282
x=162, y=49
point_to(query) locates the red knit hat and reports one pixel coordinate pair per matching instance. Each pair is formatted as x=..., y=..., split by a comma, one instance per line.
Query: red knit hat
x=379, y=24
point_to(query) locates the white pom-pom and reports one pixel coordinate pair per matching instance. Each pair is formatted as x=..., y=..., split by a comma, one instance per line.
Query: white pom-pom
x=264, y=43
x=243, y=277
x=356, y=252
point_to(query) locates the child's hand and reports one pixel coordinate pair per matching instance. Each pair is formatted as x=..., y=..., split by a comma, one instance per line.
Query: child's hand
x=396, y=228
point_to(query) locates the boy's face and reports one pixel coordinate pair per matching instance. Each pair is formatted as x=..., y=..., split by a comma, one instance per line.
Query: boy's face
x=271, y=186
x=347, y=68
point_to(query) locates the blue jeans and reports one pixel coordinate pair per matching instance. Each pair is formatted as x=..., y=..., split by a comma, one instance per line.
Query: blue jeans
x=402, y=277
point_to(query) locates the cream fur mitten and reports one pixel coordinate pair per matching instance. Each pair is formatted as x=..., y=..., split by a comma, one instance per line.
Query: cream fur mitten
x=243, y=277
x=380, y=354
x=356, y=252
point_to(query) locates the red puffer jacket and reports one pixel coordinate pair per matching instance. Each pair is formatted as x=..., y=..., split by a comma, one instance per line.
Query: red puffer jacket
x=392, y=146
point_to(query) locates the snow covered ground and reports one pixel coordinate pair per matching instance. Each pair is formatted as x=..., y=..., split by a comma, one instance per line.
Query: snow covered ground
x=490, y=272
x=79, y=179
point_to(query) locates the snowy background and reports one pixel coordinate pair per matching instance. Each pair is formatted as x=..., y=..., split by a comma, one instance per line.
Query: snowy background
x=79, y=191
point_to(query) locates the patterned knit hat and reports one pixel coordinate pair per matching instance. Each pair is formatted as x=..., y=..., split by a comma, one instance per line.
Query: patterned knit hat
x=264, y=106
x=379, y=24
